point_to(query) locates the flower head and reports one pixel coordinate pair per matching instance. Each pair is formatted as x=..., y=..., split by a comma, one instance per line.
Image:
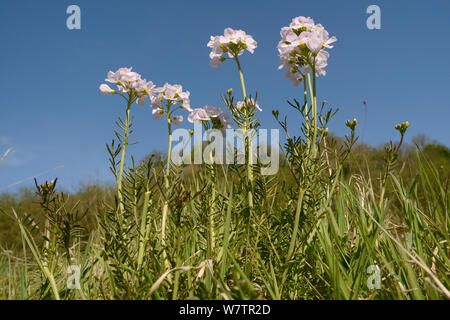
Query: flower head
x=176, y=120
x=351, y=124
x=170, y=93
x=302, y=48
x=233, y=42
x=216, y=115
x=129, y=82
x=198, y=115
x=402, y=127
x=158, y=113
x=224, y=122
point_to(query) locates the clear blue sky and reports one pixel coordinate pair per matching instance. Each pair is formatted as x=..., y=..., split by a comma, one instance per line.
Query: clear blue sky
x=53, y=114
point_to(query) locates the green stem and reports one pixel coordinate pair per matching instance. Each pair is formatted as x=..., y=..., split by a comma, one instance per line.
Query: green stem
x=242, y=78
x=315, y=105
x=122, y=158
x=166, y=178
x=314, y=112
x=249, y=142
x=305, y=97
x=169, y=125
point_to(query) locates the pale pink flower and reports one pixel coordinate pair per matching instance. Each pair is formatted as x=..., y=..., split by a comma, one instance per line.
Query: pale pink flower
x=141, y=101
x=176, y=120
x=233, y=42
x=223, y=118
x=210, y=113
x=172, y=93
x=128, y=81
x=294, y=77
x=198, y=115
x=158, y=113
x=302, y=22
x=105, y=89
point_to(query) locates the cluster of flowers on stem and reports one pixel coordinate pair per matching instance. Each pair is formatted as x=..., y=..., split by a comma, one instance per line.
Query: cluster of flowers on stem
x=128, y=82
x=165, y=97
x=161, y=99
x=217, y=116
x=233, y=42
x=302, y=48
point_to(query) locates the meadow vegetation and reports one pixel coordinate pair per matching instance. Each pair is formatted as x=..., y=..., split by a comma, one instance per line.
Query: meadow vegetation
x=339, y=220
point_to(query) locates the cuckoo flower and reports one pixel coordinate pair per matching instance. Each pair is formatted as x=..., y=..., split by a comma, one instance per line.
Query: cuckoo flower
x=171, y=94
x=167, y=99
x=128, y=82
x=302, y=53
x=176, y=120
x=132, y=88
x=217, y=116
x=158, y=113
x=233, y=42
x=302, y=48
x=105, y=89
x=198, y=115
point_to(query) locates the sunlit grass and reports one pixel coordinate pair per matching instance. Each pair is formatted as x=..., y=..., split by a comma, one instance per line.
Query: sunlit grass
x=327, y=225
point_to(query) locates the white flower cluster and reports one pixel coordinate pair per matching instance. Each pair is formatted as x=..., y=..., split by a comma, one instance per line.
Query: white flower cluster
x=139, y=89
x=216, y=115
x=233, y=42
x=128, y=81
x=173, y=94
x=302, y=48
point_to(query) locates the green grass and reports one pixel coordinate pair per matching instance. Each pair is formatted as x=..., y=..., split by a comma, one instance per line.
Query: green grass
x=315, y=246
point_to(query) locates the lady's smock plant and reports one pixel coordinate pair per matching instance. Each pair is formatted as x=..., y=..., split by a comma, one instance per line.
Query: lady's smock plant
x=234, y=43
x=312, y=229
x=165, y=101
x=302, y=48
x=132, y=88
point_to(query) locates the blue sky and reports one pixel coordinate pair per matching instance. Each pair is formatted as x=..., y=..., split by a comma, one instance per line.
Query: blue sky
x=52, y=113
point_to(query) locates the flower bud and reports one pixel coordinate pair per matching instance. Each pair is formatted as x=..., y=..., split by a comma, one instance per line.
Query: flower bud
x=351, y=124
x=105, y=89
x=401, y=127
x=324, y=131
x=276, y=113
